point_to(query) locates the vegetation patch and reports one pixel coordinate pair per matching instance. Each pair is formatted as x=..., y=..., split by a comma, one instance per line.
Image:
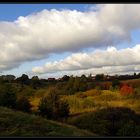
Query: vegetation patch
x=15, y=123
x=119, y=121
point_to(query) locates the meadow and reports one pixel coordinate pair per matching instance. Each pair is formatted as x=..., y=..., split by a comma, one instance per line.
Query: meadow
x=94, y=99
x=16, y=123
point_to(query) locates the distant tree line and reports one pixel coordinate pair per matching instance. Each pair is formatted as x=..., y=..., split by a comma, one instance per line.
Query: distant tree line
x=68, y=84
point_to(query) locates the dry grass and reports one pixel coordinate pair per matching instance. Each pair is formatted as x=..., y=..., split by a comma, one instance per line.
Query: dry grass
x=92, y=100
x=34, y=102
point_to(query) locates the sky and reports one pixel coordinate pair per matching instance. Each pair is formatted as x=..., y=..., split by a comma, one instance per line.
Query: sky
x=51, y=40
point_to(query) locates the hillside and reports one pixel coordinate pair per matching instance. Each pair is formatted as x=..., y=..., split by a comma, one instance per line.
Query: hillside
x=111, y=121
x=15, y=123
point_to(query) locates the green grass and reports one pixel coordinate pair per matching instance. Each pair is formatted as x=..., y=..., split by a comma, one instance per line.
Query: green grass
x=15, y=123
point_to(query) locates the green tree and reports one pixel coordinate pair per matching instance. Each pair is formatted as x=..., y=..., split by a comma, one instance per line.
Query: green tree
x=76, y=84
x=99, y=77
x=24, y=79
x=115, y=83
x=65, y=78
x=69, y=86
x=8, y=96
x=83, y=83
x=35, y=82
x=52, y=106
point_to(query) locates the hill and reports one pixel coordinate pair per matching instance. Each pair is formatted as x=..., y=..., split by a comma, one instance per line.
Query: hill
x=15, y=123
x=111, y=121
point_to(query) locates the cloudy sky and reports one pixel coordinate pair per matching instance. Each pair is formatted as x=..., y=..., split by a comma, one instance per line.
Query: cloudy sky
x=50, y=40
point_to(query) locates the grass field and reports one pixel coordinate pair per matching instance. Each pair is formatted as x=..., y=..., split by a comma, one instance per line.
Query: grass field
x=15, y=123
x=92, y=100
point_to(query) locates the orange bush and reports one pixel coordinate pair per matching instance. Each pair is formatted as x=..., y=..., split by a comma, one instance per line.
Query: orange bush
x=126, y=90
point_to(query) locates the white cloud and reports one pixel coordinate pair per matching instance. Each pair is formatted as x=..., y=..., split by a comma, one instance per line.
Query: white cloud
x=111, y=70
x=109, y=60
x=38, y=35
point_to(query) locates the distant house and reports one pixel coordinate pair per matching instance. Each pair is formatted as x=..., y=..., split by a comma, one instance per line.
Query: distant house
x=51, y=79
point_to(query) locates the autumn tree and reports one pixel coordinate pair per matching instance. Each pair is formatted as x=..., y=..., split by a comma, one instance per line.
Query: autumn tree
x=126, y=90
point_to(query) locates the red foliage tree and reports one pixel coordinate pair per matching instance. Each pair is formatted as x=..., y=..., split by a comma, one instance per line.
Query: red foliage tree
x=126, y=90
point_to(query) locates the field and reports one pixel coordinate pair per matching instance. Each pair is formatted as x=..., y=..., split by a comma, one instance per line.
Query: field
x=15, y=123
x=92, y=100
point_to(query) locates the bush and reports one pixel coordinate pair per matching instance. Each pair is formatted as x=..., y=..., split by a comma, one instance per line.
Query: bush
x=115, y=83
x=8, y=96
x=129, y=129
x=45, y=108
x=137, y=92
x=93, y=92
x=119, y=121
x=126, y=90
x=23, y=104
x=52, y=106
x=63, y=109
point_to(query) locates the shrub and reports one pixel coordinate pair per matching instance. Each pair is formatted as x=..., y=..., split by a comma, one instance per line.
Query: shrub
x=23, y=104
x=88, y=103
x=119, y=121
x=93, y=92
x=115, y=83
x=126, y=90
x=99, y=91
x=45, y=108
x=52, y=106
x=8, y=96
x=62, y=109
x=137, y=92
x=129, y=129
x=106, y=85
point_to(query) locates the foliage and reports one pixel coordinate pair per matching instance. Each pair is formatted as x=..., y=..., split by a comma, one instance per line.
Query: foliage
x=93, y=92
x=45, y=107
x=77, y=104
x=19, y=124
x=126, y=90
x=27, y=91
x=129, y=129
x=62, y=111
x=8, y=96
x=35, y=82
x=52, y=107
x=24, y=79
x=65, y=78
x=99, y=77
x=109, y=122
x=115, y=83
x=23, y=104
